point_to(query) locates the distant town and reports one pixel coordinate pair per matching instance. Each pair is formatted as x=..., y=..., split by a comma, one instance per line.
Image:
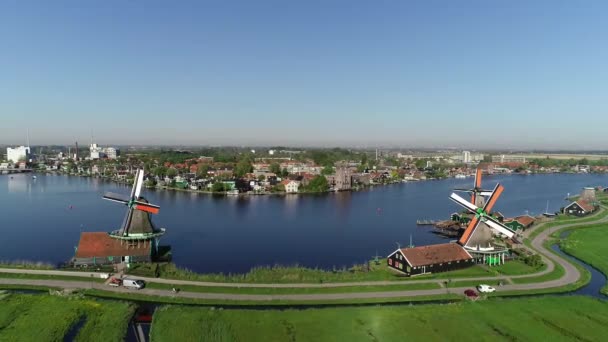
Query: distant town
x=279, y=170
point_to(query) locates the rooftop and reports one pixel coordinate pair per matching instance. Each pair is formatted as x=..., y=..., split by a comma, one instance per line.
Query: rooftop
x=100, y=244
x=435, y=254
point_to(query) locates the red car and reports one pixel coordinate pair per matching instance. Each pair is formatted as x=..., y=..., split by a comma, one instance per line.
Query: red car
x=115, y=282
x=471, y=294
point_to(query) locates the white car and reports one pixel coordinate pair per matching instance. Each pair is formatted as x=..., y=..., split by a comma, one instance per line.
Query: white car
x=483, y=288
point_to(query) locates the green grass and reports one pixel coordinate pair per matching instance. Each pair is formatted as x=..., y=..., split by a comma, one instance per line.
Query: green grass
x=563, y=219
x=273, y=303
x=26, y=265
x=295, y=274
x=550, y=318
x=48, y=318
x=276, y=291
x=49, y=277
x=589, y=245
x=516, y=267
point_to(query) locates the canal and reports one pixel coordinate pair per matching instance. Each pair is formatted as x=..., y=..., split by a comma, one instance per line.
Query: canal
x=42, y=219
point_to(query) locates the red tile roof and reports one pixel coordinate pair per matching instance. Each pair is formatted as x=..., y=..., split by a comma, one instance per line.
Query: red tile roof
x=585, y=205
x=525, y=220
x=100, y=244
x=435, y=254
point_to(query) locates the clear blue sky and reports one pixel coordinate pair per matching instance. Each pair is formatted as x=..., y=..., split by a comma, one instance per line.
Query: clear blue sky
x=504, y=74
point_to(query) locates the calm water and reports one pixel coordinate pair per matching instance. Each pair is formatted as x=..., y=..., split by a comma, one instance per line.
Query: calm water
x=234, y=234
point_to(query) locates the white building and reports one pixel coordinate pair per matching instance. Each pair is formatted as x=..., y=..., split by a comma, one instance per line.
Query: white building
x=508, y=158
x=96, y=151
x=466, y=157
x=111, y=152
x=291, y=187
x=17, y=154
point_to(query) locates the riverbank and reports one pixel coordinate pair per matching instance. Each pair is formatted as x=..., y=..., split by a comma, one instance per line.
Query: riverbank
x=559, y=275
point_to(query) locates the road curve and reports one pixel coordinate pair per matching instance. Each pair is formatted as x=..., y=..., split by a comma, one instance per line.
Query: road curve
x=571, y=275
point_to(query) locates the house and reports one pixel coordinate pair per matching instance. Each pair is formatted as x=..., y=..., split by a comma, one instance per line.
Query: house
x=579, y=208
x=520, y=222
x=291, y=186
x=429, y=259
x=98, y=248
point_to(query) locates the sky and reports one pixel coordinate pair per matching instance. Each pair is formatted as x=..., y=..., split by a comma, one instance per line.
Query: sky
x=462, y=74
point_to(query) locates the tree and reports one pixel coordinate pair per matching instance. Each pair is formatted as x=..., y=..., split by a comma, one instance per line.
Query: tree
x=172, y=172
x=318, y=184
x=243, y=167
x=284, y=173
x=218, y=187
x=327, y=170
x=275, y=168
x=261, y=178
x=201, y=171
x=364, y=159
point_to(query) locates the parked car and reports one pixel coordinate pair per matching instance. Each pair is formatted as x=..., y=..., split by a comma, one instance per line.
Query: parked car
x=471, y=294
x=134, y=284
x=115, y=282
x=485, y=288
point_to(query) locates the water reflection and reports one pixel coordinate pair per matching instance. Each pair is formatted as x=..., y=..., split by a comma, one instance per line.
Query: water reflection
x=312, y=230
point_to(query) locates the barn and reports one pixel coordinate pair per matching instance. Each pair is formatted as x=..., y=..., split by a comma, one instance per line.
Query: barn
x=579, y=208
x=99, y=248
x=429, y=259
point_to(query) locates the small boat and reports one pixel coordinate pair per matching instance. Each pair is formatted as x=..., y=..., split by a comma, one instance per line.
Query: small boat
x=460, y=176
x=233, y=192
x=34, y=177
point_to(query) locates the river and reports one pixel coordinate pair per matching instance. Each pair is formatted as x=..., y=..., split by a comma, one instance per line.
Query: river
x=41, y=219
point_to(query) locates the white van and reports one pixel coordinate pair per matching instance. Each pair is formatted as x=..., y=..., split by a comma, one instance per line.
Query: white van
x=134, y=284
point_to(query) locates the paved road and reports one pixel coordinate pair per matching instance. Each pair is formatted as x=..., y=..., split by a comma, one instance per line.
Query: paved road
x=571, y=275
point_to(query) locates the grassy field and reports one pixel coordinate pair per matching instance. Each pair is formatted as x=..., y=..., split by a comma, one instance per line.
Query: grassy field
x=50, y=277
x=48, y=318
x=296, y=274
x=274, y=303
x=564, y=219
x=589, y=245
x=275, y=291
x=548, y=318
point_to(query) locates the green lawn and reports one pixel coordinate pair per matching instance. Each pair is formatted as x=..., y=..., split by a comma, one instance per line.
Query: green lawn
x=49, y=277
x=516, y=267
x=274, y=291
x=295, y=274
x=48, y=318
x=589, y=245
x=548, y=318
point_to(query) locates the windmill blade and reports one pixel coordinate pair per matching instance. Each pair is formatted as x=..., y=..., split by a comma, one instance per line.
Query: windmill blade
x=486, y=193
x=110, y=196
x=478, y=178
x=499, y=227
x=493, y=198
x=140, y=182
x=470, y=206
x=465, y=190
x=134, y=185
x=470, y=228
x=147, y=207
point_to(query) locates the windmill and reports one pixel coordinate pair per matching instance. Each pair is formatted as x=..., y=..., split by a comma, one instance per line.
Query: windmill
x=137, y=224
x=477, y=193
x=479, y=230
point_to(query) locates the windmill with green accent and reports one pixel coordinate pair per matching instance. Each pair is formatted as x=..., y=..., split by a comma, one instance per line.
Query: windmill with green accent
x=479, y=234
